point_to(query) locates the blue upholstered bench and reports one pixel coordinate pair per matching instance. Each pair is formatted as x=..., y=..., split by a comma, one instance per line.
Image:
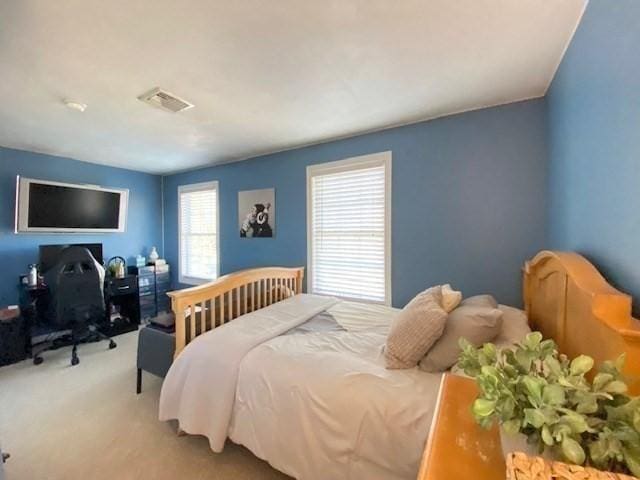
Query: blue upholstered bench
x=155, y=352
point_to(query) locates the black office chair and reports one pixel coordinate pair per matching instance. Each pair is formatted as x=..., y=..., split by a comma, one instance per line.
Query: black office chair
x=77, y=301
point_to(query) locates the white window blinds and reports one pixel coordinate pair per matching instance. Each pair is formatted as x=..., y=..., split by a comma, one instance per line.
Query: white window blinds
x=349, y=228
x=198, y=231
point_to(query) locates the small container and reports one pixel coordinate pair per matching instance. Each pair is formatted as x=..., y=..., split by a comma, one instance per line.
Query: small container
x=153, y=255
x=32, y=277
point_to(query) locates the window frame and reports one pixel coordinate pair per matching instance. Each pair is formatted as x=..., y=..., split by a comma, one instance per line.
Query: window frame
x=350, y=164
x=198, y=187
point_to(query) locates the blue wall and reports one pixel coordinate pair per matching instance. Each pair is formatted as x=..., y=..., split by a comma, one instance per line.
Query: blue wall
x=468, y=200
x=594, y=143
x=17, y=251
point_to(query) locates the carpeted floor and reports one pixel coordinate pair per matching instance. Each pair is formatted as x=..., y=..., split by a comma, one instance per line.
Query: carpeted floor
x=86, y=422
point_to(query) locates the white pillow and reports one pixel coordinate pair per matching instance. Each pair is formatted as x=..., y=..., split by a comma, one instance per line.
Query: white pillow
x=450, y=298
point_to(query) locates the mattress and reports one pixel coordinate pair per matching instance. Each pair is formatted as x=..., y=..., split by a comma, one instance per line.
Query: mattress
x=318, y=402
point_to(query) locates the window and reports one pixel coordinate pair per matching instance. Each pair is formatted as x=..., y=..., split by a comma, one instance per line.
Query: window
x=198, y=232
x=349, y=228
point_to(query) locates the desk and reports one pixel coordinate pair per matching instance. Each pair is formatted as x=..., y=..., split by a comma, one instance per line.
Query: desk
x=457, y=447
x=121, y=306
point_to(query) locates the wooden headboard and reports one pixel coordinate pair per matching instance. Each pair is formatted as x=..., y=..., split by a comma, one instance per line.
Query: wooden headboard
x=568, y=300
x=205, y=307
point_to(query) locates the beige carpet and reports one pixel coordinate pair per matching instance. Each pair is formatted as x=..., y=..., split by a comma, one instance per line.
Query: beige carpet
x=86, y=422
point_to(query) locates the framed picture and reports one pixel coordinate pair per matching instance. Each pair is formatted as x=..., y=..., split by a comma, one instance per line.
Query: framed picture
x=257, y=213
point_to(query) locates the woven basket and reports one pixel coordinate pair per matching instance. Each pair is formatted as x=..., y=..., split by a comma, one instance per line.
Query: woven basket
x=522, y=467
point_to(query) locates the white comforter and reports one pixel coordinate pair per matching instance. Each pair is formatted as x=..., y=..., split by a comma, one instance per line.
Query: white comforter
x=315, y=405
x=199, y=389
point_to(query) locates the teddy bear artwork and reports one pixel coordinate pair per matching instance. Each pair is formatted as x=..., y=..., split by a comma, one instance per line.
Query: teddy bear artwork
x=256, y=213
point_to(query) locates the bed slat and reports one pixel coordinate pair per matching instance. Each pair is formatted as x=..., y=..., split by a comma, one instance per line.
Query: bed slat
x=213, y=304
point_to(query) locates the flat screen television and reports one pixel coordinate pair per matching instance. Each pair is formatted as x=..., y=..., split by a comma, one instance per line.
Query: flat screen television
x=44, y=206
x=49, y=254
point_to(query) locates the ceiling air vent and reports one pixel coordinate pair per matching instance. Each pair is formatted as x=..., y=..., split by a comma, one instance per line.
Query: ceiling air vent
x=165, y=100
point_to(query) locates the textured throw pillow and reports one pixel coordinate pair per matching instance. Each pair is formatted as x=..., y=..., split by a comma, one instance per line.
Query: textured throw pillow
x=450, y=298
x=477, y=324
x=415, y=329
x=480, y=301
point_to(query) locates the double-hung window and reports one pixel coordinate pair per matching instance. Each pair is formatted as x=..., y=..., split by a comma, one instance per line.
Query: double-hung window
x=198, y=232
x=349, y=228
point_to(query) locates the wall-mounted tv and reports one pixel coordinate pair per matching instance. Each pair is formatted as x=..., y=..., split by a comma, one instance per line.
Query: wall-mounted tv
x=44, y=206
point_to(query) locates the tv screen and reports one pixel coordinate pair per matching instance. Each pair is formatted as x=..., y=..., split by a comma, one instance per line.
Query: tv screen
x=58, y=207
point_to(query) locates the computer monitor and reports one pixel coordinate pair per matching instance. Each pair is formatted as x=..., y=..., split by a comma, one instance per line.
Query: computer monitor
x=49, y=254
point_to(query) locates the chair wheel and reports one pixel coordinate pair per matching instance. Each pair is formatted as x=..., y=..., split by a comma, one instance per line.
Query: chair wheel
x=75, y=360
x=37, y=360
x=112, y=344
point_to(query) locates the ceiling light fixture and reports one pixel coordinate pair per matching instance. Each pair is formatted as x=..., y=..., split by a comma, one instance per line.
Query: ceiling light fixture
x=81, y=107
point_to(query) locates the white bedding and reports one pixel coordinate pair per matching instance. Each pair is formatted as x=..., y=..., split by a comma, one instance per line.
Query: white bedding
x=322, y=405
x=199, y=389
x=314, y=404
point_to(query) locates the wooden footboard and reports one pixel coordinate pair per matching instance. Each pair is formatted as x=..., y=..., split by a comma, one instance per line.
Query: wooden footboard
x=205, y=307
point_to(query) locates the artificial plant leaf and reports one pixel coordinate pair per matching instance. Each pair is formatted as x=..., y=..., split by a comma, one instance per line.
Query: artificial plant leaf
x=553, y=365
x=547, y=438
x=490, y=351
x=632, y=460
x=636, y=420
x=507, y=408
x=490, y=371
x=533, y=386
x=483, y=407
x=524, y=360
x=599, y=452
x=532, y=340
x=546, y=348
x=485, y=422
x=511, y=426
x=576, y=422
x=587, y=403
x=553, y=395
x=509, y=370
x=601, y=380
x=572, y=451
x=581, y=365
x=616, y=387
x=559, y=431
x=534, y=417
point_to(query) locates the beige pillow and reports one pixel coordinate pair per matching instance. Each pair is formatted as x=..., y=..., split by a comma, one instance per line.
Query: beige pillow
x=480, y=301
x=415, y=329
x=515, y=327
x=477, y=324
x=450, y=298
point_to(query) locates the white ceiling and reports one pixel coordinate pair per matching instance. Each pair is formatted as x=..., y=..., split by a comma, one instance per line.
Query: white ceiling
x=264, y=76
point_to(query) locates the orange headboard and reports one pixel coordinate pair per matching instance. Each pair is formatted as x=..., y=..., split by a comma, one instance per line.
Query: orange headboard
x=568, y=300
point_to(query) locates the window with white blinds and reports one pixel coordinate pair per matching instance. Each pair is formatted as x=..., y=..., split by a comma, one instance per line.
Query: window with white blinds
x=349, y=228
x=198, y=231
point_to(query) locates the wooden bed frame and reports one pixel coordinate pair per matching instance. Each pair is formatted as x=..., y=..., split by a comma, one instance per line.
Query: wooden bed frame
x=568, y=300
x=565, y=298
x=205, y=307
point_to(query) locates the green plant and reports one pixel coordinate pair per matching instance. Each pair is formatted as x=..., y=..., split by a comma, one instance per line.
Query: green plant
x=534, y=390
